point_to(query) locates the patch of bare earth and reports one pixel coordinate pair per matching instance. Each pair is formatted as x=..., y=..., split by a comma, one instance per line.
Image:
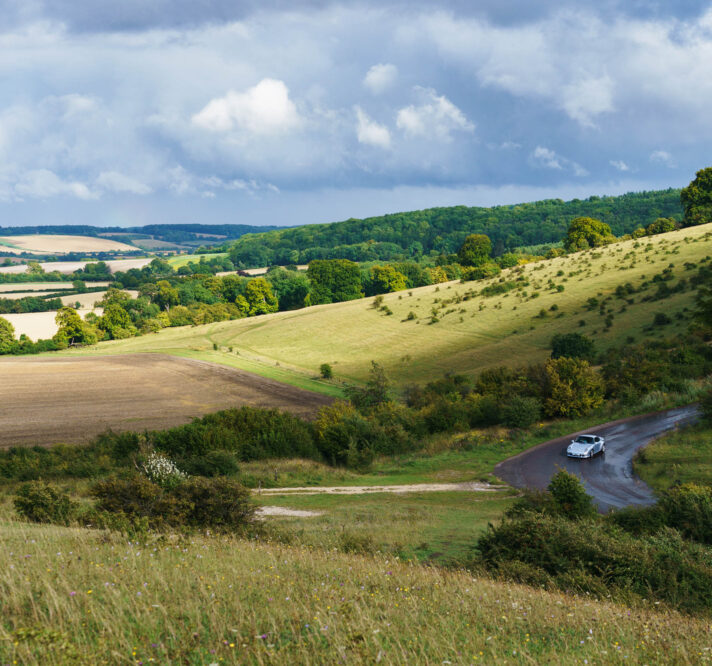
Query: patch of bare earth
x=48, y=400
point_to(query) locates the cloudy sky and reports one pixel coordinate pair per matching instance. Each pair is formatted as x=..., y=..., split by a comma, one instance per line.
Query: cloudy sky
x=290, y=112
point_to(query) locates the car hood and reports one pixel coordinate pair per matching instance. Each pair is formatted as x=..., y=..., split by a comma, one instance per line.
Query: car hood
x=579, y=449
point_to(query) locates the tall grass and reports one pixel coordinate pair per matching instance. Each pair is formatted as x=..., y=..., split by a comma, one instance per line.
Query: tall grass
x=76, y=596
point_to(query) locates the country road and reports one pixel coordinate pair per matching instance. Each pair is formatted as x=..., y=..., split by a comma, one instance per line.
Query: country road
x=608, y=478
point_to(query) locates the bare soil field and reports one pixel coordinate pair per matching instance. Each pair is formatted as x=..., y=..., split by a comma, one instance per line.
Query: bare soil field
x=71, y=266
x=48, y=400
x=57, y=244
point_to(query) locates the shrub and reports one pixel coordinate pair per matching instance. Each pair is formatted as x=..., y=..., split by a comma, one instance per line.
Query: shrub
x=569, y=496
x=521, y=412
x=572, y=345
x=198, y=502
x=138, y=496
x=661, y=319
x=39, y=502
x=326, y=371
x=688, y=509
x=218, y=503
x=592, y=557
x=213, y=463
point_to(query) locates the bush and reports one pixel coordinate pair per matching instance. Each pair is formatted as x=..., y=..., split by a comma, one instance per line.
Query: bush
x=39, y=502
x=521, y=412
x=572, y=345
x=688, y=509
x=198, y=502
x=661, y=319
x=218, y=503
x=569, y=496
x=213, y=463
x=326, y=371
x=592, y=557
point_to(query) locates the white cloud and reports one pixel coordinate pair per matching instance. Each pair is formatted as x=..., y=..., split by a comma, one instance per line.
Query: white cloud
x=549, y=159
x=588, y=98
x=43, y=184
x=546, y=158
x=438, y=117
x=620, y=165
x=380, y=77
x=263, y=109
x=113, y=181
x=664, y=158
x=371, y=132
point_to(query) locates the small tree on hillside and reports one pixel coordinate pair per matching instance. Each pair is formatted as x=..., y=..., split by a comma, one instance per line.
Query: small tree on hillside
x=585, y=232
x=376, y=391
x=572, y=345
x=475, y=250
x=661, y=226
x=72, y=330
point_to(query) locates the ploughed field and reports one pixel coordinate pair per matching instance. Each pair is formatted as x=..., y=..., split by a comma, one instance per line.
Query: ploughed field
x=48, y=400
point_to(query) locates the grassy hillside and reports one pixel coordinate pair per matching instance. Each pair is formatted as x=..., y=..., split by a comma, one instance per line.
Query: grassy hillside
x=442, y=230
x=473, y=331
x=72, y=596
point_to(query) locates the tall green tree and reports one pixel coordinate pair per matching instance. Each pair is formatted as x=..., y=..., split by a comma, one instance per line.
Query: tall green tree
x=116, y=322
x=334, y=280
x=259, y=297
x=385, y=279
x=475, y=250
x=585, y=232
x=7, y=336
x=574, y=388
x=72, y=329
x=696, y=199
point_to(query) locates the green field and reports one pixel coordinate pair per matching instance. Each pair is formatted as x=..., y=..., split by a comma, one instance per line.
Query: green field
x=473, y=331
x=184, y=259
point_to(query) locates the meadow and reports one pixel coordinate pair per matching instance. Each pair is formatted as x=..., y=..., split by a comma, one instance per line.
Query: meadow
x=423, y=333
x=87, y=597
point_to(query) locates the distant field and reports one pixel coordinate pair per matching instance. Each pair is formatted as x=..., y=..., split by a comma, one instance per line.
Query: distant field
x=47, y=400
x=41, y=286
x=51, y=244
x=71, y=266
x=470, y=335
x=185, y=259
x=39, y=325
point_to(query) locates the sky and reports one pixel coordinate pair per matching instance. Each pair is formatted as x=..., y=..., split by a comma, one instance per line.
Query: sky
x=294, y=112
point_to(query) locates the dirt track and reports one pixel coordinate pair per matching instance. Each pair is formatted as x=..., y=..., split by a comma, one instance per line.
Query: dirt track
x=48, y=400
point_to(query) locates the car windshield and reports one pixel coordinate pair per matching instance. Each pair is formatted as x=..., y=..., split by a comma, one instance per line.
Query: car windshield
x=584, y=439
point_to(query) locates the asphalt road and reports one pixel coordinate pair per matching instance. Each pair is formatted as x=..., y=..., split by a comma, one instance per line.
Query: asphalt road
x=608, y=478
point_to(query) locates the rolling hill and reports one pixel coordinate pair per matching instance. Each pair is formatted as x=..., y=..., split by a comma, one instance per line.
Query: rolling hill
x=458, y=327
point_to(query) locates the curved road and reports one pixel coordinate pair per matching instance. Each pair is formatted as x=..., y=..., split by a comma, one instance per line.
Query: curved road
x=608, y=478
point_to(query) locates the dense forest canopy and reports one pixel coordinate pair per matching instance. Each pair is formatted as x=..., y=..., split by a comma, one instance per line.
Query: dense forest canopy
x=442, y=230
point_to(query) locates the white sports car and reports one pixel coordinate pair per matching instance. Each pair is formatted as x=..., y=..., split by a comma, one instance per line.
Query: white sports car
x=586, y=446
